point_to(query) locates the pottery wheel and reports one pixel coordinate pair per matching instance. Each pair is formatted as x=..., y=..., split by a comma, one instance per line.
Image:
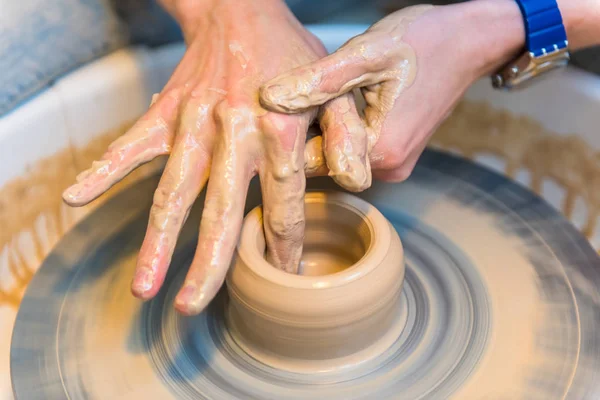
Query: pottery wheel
x=500, y=301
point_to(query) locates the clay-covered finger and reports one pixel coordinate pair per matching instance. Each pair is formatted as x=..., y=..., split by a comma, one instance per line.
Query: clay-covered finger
x=314, y=159
x=231, y=171
x=151, y=136
x=346, y=144
x=323, y=80
x=184, y=177
x=283, y=184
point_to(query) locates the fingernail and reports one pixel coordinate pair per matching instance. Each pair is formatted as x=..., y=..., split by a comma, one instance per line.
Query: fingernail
x=142, y=281
x=279, y=91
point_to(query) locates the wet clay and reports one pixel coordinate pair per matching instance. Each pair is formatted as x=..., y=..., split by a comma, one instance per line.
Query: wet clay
x=344, y=307
x=33, y=217
x=524, y=145
x=378, y=62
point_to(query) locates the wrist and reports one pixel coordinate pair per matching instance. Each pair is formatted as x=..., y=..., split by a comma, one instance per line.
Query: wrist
x=582, y=22
x=497, y=31
x=190, y=14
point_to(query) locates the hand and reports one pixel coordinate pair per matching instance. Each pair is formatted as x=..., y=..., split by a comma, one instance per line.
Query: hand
x=412, y=68
x=210, y=122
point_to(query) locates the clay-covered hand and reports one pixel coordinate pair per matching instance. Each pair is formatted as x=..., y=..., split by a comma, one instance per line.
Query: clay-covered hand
x=412, y=68
x=209, y=120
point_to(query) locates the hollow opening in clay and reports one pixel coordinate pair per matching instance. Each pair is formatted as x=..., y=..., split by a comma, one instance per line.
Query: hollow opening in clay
x=335, y=239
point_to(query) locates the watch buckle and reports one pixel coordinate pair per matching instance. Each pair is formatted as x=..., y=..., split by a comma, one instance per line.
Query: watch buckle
x=528, y=66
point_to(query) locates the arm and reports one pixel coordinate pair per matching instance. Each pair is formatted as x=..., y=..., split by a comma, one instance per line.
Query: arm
x=498, y=32
x=412, y=67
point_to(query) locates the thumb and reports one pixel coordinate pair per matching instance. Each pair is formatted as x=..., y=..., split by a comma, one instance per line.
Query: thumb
x=316, y=83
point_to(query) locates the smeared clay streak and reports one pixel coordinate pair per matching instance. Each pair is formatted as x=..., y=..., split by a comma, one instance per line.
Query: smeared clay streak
x=217, y=90
x=236, y=49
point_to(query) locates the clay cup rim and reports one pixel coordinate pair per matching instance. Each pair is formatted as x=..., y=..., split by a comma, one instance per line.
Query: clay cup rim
x=379, y=228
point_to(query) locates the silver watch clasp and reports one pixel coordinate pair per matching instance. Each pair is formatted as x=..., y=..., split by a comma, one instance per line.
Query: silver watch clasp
x=528, y=66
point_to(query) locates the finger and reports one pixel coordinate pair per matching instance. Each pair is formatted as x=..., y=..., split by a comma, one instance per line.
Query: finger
x=223, y=213
x=151, y=136
x=184, y=176
x=346, y=144
x=283, y=184
x=314, y=159
x=340, y=72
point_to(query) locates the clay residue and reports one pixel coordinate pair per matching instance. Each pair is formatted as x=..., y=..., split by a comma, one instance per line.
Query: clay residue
x=33, y=216
x=148, y=138
x=238, y=52
x=476, y=128
x=283, y=184
x=381, y=64
x=346, y=143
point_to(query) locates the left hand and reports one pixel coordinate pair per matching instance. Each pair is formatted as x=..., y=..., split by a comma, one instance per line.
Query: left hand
x=208, y=119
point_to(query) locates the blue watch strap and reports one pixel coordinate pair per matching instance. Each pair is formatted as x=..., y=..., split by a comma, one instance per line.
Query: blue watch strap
x=544, y=27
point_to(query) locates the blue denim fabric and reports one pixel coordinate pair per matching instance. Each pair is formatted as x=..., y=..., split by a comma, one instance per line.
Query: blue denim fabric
x=41, y=40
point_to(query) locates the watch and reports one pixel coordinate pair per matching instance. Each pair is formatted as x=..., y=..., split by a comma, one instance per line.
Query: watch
x=546, y=45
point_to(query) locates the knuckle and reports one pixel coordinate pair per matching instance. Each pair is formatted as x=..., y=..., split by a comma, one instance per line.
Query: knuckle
x=234, y=119
x=169, y=101
x=278, y=124
x=283, y=133
x=174, y=93
x=222, y=110
x=370, y=45
x=167, y=207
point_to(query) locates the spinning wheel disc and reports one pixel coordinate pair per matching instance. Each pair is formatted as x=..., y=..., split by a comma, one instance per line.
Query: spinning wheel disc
x=500, y=301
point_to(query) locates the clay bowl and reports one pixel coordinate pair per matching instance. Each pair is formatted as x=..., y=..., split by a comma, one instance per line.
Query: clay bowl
x=343, y=306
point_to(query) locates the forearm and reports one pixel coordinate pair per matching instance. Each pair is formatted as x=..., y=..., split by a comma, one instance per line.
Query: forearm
x=582, y=20
x=186, y=10
x=176, y=7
